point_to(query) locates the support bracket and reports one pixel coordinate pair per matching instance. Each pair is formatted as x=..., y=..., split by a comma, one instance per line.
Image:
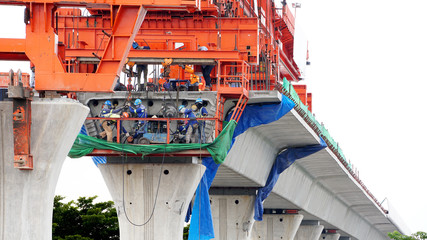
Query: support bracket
x=21, y=109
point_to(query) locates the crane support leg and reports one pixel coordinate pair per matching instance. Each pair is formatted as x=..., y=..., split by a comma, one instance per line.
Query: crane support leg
x=52, y=74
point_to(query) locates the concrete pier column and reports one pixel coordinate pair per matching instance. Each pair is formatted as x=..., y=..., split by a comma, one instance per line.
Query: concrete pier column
x=277, y=227
x=147, y=210
x=26, y=196
x=333, y=236
x=232, y=212
x=309, y=230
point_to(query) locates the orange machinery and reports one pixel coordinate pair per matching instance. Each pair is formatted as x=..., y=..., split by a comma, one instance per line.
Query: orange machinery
x=5, y=79
x=250, y=42
x=42, y=48
x=87, y=52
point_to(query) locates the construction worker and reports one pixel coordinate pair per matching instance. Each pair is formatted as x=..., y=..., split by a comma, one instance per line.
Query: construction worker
x=201, y=112
x=206, y=70
x=141, y=68
x=138, y=111
x=109, y=112
x=192, y=125
x=181, y=130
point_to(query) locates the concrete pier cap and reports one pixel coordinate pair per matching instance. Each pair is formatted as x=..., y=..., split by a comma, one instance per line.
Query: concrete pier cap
x=232, y=212
x=151, y=198
x=26, y=196
x=334, y=236
x=309, y=230
x=277, y=227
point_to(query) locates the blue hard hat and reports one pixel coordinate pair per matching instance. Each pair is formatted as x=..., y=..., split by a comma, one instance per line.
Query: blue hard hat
x=199, y=100
x=138, y=101
x=180, y=108
x=108, y=103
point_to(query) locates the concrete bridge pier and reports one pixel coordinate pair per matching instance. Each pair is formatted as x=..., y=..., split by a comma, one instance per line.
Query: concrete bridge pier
x=26, y=196
x=333, y=236
x=151, y=198
x=277, y=227
x=309, y=230
x=232, y=212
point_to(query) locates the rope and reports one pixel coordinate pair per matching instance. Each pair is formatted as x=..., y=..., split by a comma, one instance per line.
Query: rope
x=200, y=185
x=157, y=191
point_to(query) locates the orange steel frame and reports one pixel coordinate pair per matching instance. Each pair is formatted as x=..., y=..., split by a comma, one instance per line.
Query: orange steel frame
x=41, y=37
x=244, y=40
x=232, y=30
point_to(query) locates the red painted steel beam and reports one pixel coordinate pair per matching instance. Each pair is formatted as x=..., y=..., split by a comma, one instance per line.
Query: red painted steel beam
x=235, y=55
x=12, y=49
x=162, y=54
x=172, y=4
x=187, y=153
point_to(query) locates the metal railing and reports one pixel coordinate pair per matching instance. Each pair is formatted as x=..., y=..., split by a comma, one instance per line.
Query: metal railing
x=156, y=130
x=322, y=132
x=288, y=18
x=233, y=74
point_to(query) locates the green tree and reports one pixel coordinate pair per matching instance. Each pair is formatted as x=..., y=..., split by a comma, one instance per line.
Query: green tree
x=416, y=236
x=84, y=220
x=186, y=232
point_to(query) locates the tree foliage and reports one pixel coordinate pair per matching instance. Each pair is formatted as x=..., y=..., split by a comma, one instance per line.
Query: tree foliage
x=84, y=220
x=186, y=232
x=416, y=236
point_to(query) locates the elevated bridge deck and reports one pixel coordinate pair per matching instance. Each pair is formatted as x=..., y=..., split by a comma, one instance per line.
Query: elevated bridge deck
x=319, y=186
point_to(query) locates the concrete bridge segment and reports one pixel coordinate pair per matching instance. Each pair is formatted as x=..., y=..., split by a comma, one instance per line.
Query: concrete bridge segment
x=319, y=186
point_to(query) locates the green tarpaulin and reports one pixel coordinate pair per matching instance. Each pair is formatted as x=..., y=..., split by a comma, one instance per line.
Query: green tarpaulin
x=84, y=145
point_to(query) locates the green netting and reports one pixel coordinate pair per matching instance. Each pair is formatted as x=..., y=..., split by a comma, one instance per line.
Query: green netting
x=84, y=145
x=287, y=86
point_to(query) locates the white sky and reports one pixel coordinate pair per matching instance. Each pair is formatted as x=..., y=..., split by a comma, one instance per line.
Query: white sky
x=368, y=79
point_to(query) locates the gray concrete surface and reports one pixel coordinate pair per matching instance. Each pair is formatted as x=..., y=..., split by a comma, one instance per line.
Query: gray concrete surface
x=277, y=227
x=334, y=236
x=309, y=232
x=233, y=216
x=26, y=196
x=319, y=185
x=137, y=195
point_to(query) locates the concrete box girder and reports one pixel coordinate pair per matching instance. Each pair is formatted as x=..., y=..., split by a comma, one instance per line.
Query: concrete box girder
x=318, y=184
x=319, y=176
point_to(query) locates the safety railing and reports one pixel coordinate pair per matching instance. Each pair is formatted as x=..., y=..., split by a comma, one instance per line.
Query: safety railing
x=288, y=90
x=288, y=18
x=233, y=74
x=156, y=130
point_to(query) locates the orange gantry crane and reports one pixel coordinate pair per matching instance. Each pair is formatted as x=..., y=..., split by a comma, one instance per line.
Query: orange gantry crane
x=249, y=41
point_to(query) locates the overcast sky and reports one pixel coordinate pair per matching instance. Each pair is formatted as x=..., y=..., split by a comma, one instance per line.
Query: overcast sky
x=368, y=79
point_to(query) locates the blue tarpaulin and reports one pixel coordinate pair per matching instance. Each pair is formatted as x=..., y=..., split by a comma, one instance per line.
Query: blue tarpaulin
x=96, y=160
x=283, y=161
x=252, y=116
x=202, y=209
x=259, y=114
